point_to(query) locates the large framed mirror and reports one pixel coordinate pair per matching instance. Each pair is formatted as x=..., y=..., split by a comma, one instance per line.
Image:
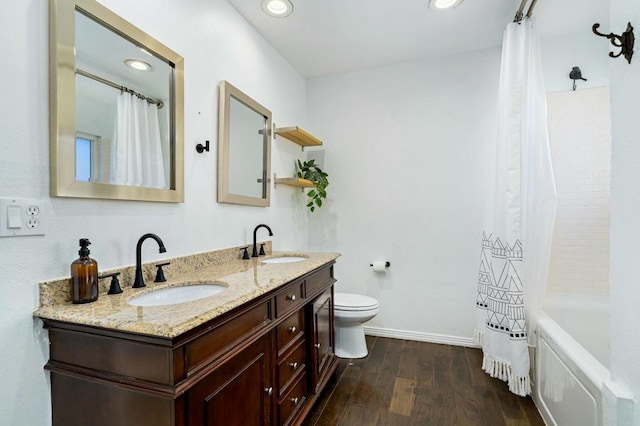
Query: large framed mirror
x=116, y=108
x=244, y=149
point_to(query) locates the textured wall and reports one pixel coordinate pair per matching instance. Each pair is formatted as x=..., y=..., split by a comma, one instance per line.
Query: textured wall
x=217, y=43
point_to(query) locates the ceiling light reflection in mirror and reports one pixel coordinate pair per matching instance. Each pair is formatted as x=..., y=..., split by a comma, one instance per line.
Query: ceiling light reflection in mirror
x=137, y=64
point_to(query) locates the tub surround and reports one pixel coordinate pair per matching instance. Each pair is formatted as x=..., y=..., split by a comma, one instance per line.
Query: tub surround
x=569, y=379
x=245, y=279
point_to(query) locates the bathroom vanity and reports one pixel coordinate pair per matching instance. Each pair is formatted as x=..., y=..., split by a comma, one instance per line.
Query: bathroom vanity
x=258, y=354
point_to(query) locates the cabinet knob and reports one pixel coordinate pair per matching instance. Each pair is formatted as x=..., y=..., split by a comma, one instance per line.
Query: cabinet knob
x=291, y=297
x=292, y=329
x=293, y=365
x=268, y=391
x=294, y=400
x=317, y=345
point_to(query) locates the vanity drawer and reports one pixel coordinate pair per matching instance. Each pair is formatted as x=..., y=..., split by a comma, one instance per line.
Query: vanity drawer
x=289, y=298
x=290, y=366
x=231, y=332
x=289, y=329
x=319, y=281
x=290, y=404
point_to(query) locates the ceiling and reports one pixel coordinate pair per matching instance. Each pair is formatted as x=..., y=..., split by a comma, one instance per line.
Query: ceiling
x=323, y=37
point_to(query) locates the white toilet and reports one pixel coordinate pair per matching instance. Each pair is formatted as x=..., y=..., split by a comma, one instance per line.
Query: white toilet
x=351, y=311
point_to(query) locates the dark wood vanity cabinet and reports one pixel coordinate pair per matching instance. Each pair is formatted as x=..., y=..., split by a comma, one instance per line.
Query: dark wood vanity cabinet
x=322, y=340
x=238, y=392
x=262, y=363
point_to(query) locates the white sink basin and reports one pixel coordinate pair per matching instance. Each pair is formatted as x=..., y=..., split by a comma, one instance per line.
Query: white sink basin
x=284, y=259
x=174, y=295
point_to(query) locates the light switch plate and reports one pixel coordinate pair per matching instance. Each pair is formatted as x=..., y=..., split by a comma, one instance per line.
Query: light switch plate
x=32, y=218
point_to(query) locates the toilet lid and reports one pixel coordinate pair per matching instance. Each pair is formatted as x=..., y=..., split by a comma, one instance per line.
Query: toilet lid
x=354, y=302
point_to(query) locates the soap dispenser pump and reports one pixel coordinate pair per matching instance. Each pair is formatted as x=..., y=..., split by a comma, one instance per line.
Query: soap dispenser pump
x=84, y=276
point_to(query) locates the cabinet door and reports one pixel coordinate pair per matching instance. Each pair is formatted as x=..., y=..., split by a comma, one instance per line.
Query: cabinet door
x=237, y=393
x=322, y=336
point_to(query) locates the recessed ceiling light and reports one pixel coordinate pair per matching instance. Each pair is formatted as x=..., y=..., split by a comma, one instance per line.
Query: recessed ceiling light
x=444, y=4
x=137, y=64
x=277, y=8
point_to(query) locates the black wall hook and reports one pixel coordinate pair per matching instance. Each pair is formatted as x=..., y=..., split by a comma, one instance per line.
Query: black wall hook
x=576, y=74
x=201, y=148
x=625, y=41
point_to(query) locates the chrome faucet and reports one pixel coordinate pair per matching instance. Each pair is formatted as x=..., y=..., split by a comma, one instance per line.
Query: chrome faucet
x=254, y=253
x=139, y=281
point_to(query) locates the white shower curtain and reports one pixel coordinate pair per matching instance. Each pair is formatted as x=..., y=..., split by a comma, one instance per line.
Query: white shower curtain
x=515, y=250
x=136, y=155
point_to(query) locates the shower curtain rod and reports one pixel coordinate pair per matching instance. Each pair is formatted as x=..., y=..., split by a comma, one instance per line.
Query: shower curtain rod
x=520, y=15
x=152, y=101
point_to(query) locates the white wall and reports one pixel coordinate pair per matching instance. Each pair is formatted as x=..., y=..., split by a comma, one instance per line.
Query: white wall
x=625, y=208
x=409, y=149
x=406, y=150
x=217, y=44
x=584, y=50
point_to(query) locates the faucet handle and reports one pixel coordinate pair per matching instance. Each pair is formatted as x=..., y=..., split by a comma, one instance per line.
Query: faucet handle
x=115, y=283
x=261, y=253
x=245, y=255
x=160, y=273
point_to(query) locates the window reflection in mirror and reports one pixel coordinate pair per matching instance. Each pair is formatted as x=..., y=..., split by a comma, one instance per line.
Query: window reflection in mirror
x=244, y=149
x=116, y=124
x=84, y=158
x=89, y=163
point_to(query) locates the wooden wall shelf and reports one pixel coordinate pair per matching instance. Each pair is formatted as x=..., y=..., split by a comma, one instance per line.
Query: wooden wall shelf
x=297, y=135
x=294, y=181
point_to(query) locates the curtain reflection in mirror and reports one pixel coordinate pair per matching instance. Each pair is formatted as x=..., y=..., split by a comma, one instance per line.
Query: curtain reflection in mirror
x=139, y=154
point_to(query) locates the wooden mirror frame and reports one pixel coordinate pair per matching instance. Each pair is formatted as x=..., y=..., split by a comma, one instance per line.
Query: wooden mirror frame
x=62, y=105
x=228, y=91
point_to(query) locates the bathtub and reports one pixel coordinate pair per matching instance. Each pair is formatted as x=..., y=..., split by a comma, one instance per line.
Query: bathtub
x=571, y=360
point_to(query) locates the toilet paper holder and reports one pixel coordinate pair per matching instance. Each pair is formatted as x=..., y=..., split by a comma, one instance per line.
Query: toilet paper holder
x=386, y=264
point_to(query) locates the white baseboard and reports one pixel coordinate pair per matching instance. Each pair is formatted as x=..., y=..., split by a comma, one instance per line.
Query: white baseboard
x=420, y=337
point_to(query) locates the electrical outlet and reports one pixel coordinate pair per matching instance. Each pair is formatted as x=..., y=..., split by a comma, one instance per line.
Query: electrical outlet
x=21, y=216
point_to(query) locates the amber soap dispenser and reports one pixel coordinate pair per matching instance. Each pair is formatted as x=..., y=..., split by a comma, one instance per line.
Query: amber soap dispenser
x=84, y=276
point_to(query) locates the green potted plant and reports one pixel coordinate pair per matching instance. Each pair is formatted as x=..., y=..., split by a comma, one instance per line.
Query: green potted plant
x=310, y=171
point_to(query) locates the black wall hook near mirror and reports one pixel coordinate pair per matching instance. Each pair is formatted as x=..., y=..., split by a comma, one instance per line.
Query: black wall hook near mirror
x=625, y=41
x=201, y=148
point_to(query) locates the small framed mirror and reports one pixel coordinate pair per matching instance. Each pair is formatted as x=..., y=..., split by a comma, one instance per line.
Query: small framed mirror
x=116, y=108
x=244, y=149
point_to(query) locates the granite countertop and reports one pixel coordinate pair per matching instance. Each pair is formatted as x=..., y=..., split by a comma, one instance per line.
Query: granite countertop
x=245, y=279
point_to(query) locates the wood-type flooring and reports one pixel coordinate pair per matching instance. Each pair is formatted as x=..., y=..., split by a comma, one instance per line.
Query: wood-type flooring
x=405, y=382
